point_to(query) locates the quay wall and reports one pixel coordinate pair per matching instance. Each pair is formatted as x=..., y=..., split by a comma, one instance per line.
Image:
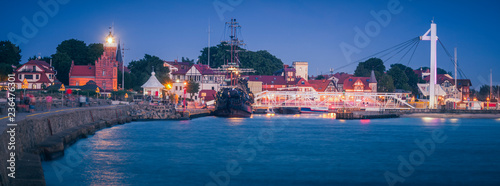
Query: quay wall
x=46, y=137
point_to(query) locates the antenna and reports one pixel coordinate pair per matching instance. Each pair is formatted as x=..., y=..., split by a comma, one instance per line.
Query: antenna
x=208, y=43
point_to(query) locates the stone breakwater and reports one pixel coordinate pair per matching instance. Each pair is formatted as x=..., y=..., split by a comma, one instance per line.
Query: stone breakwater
x=150, y=112
x=45, y=137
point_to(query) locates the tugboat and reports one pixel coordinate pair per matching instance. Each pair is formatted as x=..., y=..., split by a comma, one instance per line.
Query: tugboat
x=235, y=99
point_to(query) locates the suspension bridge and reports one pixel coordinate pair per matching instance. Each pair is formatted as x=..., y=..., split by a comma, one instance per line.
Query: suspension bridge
x=363, y=100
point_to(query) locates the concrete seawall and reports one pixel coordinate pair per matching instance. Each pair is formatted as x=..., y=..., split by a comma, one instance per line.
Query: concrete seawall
x=46, y=137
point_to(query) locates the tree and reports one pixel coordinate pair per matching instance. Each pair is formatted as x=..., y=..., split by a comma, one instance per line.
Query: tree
x=76, y=50
x=385, y=83
x=62, y=64
x=141, y=71
x=439, y=70
x=263, y=62
x=10, y=55
x=413, y=78
x=191, y=61
x=399, y=77
x=95, y=50
x=192, y=88
x=484, y=92
x=320, y=77
x=364, y=69
x=45, y=58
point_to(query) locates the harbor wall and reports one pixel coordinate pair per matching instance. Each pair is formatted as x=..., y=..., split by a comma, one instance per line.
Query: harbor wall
x=45, y=137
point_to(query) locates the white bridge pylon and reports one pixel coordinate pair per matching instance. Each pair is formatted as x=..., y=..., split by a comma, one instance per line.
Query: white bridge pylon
x=361, y=100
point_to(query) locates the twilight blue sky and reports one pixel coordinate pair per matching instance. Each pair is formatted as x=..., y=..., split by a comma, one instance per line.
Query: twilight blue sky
x=299, y=30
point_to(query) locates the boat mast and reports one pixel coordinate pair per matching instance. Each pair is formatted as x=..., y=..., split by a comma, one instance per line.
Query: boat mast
x=232, y=66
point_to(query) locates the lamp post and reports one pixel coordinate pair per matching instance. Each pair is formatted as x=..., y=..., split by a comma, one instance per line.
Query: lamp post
x=185, y=90
x=487, y=103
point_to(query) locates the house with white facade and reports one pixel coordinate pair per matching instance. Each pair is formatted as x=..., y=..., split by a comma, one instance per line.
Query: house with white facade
x=201, y=74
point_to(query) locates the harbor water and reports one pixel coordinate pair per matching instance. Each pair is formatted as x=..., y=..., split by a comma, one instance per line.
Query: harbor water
x=285, y=150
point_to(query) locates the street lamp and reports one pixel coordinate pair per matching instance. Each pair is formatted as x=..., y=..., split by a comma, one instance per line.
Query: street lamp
x=185, y=90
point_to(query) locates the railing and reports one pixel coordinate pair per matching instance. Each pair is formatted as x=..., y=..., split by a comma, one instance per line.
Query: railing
x=331, y=100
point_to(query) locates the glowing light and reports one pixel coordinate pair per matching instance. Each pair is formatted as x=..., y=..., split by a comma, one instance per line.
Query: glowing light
x=454, y=120
x=365, y=121
x=427, y=119
x=185, y=83
x=177, y=81
x=110, y=40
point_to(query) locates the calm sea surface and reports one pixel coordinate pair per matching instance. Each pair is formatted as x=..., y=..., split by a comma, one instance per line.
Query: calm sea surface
x=285, y=150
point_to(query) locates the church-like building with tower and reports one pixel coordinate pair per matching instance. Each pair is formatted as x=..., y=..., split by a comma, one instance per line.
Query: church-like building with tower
x=105, y=71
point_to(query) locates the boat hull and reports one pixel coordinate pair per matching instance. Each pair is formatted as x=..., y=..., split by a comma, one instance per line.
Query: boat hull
x=245, y=111
x=307, y=110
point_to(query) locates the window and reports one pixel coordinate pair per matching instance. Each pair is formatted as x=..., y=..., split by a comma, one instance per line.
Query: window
x=28, y=76
x=19, y=76
x=350, y=79
x=34, y=68
x=37, y=76
x=77, y=84
x=103, y=73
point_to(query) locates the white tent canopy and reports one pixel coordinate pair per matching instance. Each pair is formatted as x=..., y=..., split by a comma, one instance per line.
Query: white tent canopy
x=152, y=87
x=424, y=89
x=152, y=82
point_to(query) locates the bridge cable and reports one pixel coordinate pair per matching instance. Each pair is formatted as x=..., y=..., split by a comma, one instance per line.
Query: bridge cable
x=462, y=74
x=395, y=46
x=411, y=57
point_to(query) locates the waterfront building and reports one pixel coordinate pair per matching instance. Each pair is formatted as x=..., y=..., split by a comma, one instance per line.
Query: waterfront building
x=201, y=74
x=38, y=74
x=302, y=69
x=175, y=66
x=360, y=84
x=269, y=83
x=153, y=87
x=446, y=83
x=104, y=72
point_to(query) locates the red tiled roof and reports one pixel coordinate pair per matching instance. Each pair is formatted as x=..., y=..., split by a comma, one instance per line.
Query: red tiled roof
x=268, y=80
x=180, y=72
x=204, y=69
x=342, y=77
x=349, y=82
x=319, y=85
x=440, y=78
x=210, y=94
x=82, y=70
x=179, y=65
x=41, y=64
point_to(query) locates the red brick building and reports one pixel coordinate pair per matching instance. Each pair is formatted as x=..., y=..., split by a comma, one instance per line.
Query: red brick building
x=105, y=70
